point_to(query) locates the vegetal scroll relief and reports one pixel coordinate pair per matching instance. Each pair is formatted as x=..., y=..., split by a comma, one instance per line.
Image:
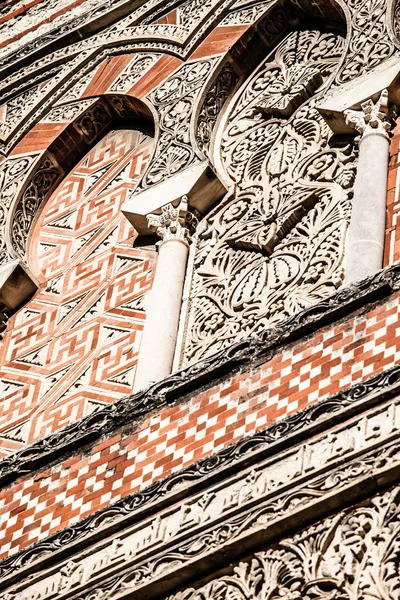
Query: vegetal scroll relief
x=276, y=245
x=351, y=556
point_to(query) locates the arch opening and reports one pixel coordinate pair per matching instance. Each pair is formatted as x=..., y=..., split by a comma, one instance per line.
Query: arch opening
x=73, y=347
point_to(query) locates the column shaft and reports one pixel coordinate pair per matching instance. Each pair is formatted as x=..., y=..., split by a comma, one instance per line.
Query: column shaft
x=367, y=225
x=163, y=310
x=364, y=255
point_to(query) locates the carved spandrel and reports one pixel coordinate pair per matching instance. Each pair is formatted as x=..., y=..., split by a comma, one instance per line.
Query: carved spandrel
x=276, y=245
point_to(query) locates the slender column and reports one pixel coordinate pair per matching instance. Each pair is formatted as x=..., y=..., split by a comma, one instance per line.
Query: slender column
x=157, y=348
x=364, y=255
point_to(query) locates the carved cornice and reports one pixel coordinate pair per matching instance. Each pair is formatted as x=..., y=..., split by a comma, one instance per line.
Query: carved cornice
x=274, y=439
x=232, y=515
x=353, y=555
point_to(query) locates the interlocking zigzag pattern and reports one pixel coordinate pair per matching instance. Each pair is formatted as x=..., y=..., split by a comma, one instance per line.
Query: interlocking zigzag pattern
x=74, y=346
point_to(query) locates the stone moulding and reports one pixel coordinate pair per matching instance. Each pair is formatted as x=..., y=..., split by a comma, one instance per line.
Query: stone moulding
x=276, y=438
x=232, y=515
x=241, y=355
x=352, y=555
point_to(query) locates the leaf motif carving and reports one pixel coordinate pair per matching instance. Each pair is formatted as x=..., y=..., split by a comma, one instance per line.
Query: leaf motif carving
x=275, y=246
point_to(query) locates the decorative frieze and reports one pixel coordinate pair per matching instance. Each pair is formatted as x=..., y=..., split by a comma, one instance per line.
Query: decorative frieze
x=350, y=556
x=276, y=438
x=242, y=506
x=239, y=355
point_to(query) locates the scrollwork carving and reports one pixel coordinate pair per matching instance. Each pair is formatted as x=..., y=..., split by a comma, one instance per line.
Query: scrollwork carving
x=13, y=171
x=69, y=111
x=396, y=20
x=139, y=64
x=370, y=43
x=174, y=100
x=93, y=122
x=353, y=555
x=213, y=103
x=276, y=246
x=41, y=184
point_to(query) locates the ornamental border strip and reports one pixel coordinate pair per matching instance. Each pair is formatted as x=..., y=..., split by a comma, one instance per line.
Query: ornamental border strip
x=130, y=410
x=359, y=471
x=235, y=537
x=90, y=23
x=290, y=430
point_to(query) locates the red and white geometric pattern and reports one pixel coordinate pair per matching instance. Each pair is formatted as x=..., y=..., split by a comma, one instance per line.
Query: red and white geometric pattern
x=74, y=346
x=330, y=360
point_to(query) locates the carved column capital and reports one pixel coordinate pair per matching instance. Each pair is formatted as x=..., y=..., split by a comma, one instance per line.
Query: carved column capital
x=174, y=223
x=372, y=118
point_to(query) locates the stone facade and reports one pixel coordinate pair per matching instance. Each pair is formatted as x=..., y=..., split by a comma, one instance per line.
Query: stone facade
x=199, y=300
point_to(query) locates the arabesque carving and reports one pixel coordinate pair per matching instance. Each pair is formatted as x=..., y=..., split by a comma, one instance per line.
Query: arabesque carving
x=213, y=103
x=41, y=184
x=277, y=245
x=353, y=555
x=370, y=43
x=174, y=100
x=139, y=65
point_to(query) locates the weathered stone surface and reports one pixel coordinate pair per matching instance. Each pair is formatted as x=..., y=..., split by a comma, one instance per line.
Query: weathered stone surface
x=243, y=100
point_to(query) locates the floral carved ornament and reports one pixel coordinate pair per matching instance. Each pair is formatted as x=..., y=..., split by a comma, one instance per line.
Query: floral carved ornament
x=276, y=245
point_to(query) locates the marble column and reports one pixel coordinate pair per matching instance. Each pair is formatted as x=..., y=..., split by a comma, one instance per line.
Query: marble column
x=364, y=255
x=173, y=226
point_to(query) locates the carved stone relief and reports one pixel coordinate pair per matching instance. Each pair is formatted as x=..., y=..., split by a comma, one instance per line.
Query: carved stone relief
x=68, y=112
x=354, y=555
x=248, y=15
x=213, y=103
x=41, y=184
x=370, y=43
x=396, y=20
x=372, y=118
x=13, y=171
x=139, y=65
x=174, y=100
x=276, y=245
x=235, y=508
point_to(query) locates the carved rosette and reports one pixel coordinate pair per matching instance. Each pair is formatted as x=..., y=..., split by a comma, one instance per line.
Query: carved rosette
x=276, y=245
x=174, y=223
x=372, y=118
